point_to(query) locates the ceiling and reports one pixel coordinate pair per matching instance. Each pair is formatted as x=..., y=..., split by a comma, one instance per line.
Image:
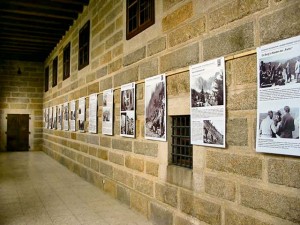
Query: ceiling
x=30, y=29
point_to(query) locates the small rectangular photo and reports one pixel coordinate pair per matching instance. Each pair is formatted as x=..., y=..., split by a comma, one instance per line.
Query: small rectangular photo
x=127, y=100
x=106, y=114
x=213, y=132
x=280, y=123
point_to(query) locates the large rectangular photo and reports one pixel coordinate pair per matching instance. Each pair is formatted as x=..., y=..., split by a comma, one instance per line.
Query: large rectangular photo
x=278, y=75
x=155, y=108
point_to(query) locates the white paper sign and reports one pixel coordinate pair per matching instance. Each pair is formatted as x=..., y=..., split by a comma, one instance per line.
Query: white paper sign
x=107, y=112
x=155, y=108
x=81, y=114
x=127, y=112
x=207, y=98
x=73, y=115
x=93, y=102
x=66, y=115
x=278, y=99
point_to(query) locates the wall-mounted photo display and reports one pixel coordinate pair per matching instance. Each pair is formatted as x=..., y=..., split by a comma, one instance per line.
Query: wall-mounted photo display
x=155, y=108
x=107, y=112
x=278, y=104
x=46, y=117
x=93, y=112
x=127, y=112
x=51, y=117
x=59, y=117
x=81, y=114
x=207, y=101
x=72, y=115
x=54, y=118
x=66, y=115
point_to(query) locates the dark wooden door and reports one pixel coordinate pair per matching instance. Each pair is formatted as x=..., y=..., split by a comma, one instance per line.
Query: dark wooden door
x=17, y=132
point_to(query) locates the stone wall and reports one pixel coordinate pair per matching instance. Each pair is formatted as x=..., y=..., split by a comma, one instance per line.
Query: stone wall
x=230, y=186
x=22, y=94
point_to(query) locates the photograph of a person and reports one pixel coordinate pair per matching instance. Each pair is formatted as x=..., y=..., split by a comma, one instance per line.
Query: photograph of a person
x=208, y=90
x=281, y=123
x=72, y=115
x=155, y=108
x=213, y=132
x=127, y=100
x=280, y=70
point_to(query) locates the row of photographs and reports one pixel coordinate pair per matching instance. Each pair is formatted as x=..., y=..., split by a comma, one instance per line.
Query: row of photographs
x=278, y=76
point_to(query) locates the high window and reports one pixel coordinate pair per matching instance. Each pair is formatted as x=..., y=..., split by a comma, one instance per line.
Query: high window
x=140, y=15
x=66, y=61
x=182, y=150
x=54, y=72
x=47, y=79
x=84, y=46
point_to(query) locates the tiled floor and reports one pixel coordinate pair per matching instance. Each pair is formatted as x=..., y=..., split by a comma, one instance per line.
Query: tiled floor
x=37, y=190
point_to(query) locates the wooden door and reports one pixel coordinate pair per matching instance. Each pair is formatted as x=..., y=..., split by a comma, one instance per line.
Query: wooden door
x=17, y=132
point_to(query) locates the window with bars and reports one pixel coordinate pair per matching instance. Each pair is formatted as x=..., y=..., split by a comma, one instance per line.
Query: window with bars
x=47, y=79
x=54, y=72
x=140, y=16
x=66, y=61
x=84, y=46
x=182, y=150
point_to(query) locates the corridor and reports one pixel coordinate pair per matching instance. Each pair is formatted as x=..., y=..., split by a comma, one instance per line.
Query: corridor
x=37, y=190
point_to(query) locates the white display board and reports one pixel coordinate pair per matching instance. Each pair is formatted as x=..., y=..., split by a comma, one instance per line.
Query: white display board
x=278, y=98
x=127, y=112
x=93, y=112
x=107, y=112
x=155, y=108
x=207, y=102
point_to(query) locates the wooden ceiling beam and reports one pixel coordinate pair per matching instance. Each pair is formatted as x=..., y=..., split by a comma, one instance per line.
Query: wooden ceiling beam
x=60, y=6
x=31, y=26
x=38, y=12
x=26, y=39
x=13, y=30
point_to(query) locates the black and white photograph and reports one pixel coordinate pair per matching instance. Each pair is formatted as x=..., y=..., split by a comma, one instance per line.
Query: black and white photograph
x=207, y=91
x=50, y=117
x=213, y=132
x=59, y=116
x=73, y=116
x=81, y=114
x=280, y=70
x=278, y=67
x=93, y=113
x=66, y=116
x=54, y=117
x=127, y=112
x=46, y=118
x=155, y=108
x=279, y=123
x=106, y=116
x=127, y=99
x=207, y=96
x=107, y=112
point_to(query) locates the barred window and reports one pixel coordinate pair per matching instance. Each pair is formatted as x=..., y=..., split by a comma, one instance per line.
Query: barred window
x=54, y=72
x=182, y=150
x=47, y=79
x=140, y=16
x=66, y=61
x=84, y=46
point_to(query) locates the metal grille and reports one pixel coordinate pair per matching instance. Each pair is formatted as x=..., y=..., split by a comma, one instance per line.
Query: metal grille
x=182, y=150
